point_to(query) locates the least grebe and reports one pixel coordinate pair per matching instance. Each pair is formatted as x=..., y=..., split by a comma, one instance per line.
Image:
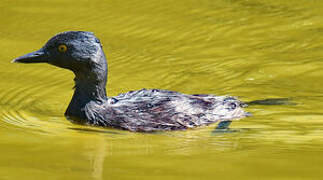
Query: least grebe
x=142, y=110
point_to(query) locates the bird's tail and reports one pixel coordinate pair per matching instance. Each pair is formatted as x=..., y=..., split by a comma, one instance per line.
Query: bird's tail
x=224, y=125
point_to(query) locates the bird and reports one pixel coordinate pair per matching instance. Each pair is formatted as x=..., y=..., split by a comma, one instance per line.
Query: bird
x=145, y=110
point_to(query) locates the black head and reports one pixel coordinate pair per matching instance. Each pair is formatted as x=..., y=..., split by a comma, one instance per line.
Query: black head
x=78, y=51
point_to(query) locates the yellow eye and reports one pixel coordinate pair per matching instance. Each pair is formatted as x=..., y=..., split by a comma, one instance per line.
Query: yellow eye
x=62, y=48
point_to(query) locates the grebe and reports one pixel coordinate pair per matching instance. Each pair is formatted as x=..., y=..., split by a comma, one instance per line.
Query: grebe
x=143, y=110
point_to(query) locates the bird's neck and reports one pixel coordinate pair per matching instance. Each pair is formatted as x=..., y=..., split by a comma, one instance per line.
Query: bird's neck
x=89, y=87
x=85, y=92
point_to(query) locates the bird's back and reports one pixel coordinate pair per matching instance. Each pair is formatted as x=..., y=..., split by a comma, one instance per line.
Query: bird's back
x=155, y=110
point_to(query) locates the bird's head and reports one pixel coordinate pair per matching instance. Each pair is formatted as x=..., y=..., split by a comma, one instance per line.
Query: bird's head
x=78, y=51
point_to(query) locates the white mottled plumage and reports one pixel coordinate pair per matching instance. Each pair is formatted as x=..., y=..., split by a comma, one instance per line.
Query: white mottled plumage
x=153, y=110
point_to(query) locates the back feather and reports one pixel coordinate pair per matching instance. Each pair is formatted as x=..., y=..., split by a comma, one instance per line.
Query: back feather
x=154, y=110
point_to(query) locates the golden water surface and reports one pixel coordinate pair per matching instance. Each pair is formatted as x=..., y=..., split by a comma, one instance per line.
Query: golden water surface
x=252, y=49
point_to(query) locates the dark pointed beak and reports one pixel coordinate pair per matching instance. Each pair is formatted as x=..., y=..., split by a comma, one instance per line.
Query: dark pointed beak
x=34, y=57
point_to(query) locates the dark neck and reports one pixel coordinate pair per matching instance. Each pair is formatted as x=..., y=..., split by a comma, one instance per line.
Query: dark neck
x=86, y=91
x=89, y=87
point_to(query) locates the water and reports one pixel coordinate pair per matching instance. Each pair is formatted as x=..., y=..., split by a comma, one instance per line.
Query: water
x=246, y=48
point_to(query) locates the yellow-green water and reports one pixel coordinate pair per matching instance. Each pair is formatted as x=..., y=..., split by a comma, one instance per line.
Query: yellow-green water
x=253, y=49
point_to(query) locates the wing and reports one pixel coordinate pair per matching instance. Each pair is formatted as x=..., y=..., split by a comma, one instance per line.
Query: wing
x=154, y=110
